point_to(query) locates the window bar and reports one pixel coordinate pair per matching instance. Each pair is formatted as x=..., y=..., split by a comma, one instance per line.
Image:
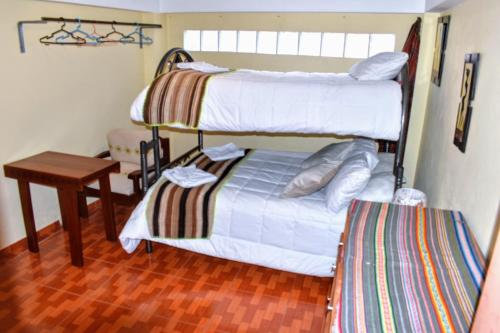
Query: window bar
x=256, y=41
x=369, y=44
x=237, y=41
x=218, y=40
x=277, y=41
x=345, y=44
x=202, y=32
x=298, y=44
x=321, y=44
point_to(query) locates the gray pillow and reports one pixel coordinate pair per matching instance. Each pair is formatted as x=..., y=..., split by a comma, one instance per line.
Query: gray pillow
x=310, y=180
x=339, y=152
x=334, y=153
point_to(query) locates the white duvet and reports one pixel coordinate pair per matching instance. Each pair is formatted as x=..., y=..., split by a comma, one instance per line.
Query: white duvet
x=252, y=224
x=297, y=102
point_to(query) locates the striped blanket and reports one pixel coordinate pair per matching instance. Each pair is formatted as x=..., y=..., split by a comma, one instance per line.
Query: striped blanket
x=177, y=212
x=175, y=98
x=408, y=269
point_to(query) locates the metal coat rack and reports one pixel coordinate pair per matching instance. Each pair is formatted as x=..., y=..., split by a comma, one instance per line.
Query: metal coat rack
x=44, y=20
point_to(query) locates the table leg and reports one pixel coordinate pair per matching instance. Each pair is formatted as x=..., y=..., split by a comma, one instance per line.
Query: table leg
x=64, y=218
x=107, y=208
x=82, y=205
x=29, y=219
x=69, y=209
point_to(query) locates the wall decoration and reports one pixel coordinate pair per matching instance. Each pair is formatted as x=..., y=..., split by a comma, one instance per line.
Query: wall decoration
x=440, y=48
x=466, y=96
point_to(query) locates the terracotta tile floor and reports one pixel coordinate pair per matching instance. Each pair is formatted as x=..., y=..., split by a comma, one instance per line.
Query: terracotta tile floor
x=170, y=290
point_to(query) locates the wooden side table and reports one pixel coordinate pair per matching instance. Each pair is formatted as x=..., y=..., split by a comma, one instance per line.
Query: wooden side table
x=69, y=174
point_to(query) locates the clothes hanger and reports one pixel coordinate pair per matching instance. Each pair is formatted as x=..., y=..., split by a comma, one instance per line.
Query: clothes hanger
x=91, y=39
x=143, y=39
x=75, y=40
x=123, y=38
x=95, y=35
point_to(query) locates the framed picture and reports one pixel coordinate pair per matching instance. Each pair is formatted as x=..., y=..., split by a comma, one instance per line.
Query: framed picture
x=467, y=94
x=440, y=48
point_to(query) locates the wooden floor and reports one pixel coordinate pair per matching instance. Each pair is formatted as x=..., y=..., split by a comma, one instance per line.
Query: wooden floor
x=170, y=290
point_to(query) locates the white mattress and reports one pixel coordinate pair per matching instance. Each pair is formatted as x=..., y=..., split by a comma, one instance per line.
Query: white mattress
x=297, y=102
x=252, y=224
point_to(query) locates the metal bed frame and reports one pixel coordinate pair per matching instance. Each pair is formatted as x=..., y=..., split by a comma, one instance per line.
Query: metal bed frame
x=178, y=55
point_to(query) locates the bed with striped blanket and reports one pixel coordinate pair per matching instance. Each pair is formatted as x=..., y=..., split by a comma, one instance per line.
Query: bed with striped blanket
x=272, y=102
x=177, y=212
x=408, y=269
x=174, y=98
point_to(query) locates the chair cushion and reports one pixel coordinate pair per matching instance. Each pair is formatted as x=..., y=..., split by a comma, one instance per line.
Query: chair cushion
x=119, y=181
x=124, y=145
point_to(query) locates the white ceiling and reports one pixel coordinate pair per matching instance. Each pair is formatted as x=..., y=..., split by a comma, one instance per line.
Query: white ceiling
x=349, y=6
x=371, y=6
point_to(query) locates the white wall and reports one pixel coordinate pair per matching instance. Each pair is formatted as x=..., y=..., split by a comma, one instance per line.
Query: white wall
x=467, y=182
x=138, y=5
x=200, y=6
x=441, y=5
x=339, y=6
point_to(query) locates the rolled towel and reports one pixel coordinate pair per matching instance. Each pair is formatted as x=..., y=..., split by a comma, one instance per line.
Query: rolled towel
x=189, y=176
x=225, y=152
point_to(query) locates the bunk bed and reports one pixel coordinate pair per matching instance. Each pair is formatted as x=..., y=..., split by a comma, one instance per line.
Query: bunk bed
x=301, y=243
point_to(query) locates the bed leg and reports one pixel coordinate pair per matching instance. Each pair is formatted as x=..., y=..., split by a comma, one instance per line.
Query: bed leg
x=399, y=177
x=149, y=246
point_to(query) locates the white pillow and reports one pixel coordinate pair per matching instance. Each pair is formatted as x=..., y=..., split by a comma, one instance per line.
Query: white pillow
x=380, y=188
x=337, y=153
x=350, y=180
x=383, y=66
x=368, y=147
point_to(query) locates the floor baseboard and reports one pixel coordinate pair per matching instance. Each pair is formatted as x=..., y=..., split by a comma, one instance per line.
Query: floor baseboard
x=44, y=233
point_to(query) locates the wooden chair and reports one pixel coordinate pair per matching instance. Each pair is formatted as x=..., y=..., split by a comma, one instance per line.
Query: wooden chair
x=124, y=147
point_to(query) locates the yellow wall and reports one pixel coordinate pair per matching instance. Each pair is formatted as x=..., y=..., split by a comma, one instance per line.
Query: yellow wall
x=57, y=98
x=323, y=22
x=468, y=182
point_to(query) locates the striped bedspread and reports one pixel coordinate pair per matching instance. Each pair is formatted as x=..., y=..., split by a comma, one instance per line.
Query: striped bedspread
x=409, y=269
x=175, y=98
x=177, y=212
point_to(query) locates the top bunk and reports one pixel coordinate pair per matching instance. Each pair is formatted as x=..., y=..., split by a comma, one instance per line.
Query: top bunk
x=368, y=102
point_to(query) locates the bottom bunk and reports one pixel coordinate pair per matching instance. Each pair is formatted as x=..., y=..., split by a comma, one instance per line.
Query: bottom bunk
x=254, y=224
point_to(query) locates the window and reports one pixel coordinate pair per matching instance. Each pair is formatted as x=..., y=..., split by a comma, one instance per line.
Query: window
x=266, y=43
x=210, y=40
x=333, y=45
x=288, y=43
x=356, y=46
x=247, y=41
x=310, y=43
x=228, y=40
x=382, y=43
x=324, y=44
x=192, y=40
